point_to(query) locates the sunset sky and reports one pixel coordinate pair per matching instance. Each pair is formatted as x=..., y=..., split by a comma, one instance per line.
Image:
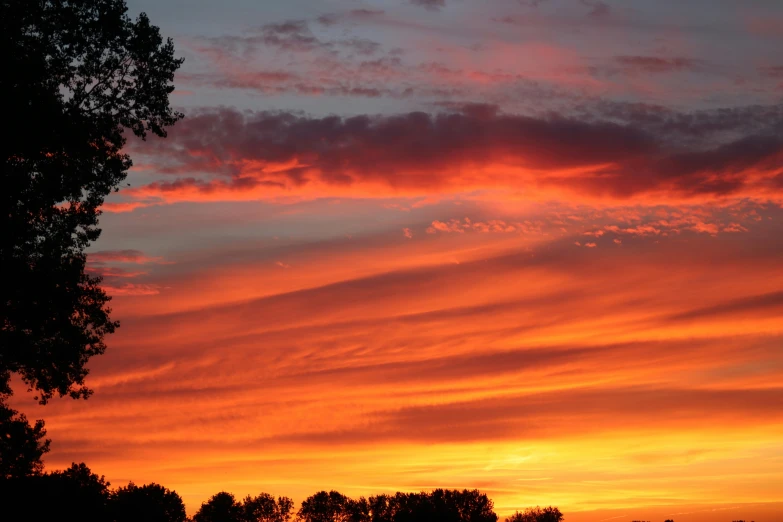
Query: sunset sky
x=533, y=247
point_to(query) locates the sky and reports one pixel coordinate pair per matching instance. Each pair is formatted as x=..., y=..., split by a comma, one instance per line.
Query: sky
x=527, y=246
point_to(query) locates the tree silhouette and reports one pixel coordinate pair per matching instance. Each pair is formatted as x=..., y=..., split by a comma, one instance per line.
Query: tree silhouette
x=150, y=503
x=537, y=514
x=323, y=507
x=21, y=445
x=333, y=507
x=72, y=494
x=78, y=494
x=442, y=505
x=78, y=73
x=221, y=507
x=264, y=508
x=465, y=505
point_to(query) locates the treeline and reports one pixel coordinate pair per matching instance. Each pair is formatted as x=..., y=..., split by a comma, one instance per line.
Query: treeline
x=79, y=494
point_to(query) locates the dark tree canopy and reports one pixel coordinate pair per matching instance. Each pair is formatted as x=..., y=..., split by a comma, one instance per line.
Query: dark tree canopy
x=73, y=494
x=78, y=494
x=264, y=508
x=537, y=514
x=78, y=73
x=441, y=504
x=221, y=507
x=151, y=503
x=21, y=445
x=324, y=507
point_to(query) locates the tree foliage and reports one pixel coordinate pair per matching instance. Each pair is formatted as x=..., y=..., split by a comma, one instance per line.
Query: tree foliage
x=443, y=505
x=72, y=494
x=21, y=445
x=265, y=508
x=221, y=507
x=325, y=506
x=150, y=503
x=537, y=514
x=78, y=74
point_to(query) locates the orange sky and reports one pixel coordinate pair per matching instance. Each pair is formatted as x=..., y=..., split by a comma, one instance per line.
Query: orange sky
x=532, y=248
x=637, y=373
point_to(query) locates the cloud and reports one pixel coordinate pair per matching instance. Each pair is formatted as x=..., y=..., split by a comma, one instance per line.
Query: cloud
x=770, y=25
x=123, y=256
x=769, y=303
x=131, y=289
x=329, y=66
x=598, y=8
x=120, y=207
x=430, y=4
x=361, y=45
x=654, y=64
x=101, y=264
x=353, y=15
x=692, y=127
x=772, y=71
x=455, y=152
x=492, y=225
x=292, y=35
x=107, y=272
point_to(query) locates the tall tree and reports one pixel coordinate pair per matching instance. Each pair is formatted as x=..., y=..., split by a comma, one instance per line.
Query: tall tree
x=77, y=75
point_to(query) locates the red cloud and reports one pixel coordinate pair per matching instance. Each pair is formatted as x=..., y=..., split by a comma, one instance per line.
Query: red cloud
x=269, y=154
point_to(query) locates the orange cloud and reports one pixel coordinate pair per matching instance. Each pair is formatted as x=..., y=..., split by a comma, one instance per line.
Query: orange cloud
x=131, y=289
x=123, y=256
x=129, y=206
